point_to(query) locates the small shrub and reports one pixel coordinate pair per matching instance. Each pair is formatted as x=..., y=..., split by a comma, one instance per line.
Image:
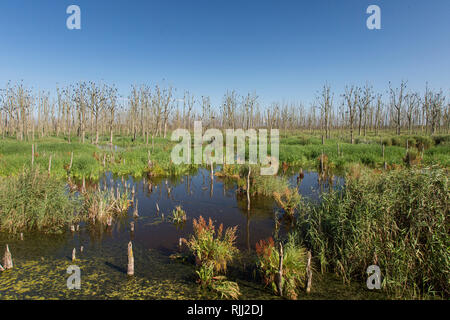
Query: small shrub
x=441, y=139
x=213, y=250
x=387, y=142
x=397, y=141
x=102, y=205
x=267, y=185
x=423, y=142
x=412, y=157
x=209, y=245
x=294, y=265
x=368, y=160
x=289, y=199
x=178, y=215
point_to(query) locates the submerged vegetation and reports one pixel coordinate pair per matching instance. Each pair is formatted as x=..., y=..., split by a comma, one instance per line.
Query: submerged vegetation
x=178, y=215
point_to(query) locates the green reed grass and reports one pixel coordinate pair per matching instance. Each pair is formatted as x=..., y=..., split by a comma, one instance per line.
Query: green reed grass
x=398, y=220
x=35, y=201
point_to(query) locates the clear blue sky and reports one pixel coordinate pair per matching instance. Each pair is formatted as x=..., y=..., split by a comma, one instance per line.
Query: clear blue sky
x=280, y=49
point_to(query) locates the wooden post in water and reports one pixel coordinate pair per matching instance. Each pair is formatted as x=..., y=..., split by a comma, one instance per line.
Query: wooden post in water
x=21, y=236
x=7, y=259
x=321, y=163
x=132, y=226
x=135, y=213
x=212, y=169
x=308, y=273
x=74, y=257
x=279, y=275
x=130, y=269
x=180, y=243
x=248, y=188
x=157, y=207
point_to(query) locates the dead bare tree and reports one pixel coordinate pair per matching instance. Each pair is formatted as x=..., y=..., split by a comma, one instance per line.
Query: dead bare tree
x=365, y=98
x=97, y=101
x=325, y=102
x=412, y=102
x=396, y=100
x=188, y=105
x=437, y=101
x=351, y=97
x=112, y=107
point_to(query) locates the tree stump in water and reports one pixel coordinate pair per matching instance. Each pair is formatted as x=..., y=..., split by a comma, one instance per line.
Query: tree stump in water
x=74, y=254
x=180, y=244
x=248, y=188
x=279, y=275
x=130, y=269
x=7, y=259
x=135, y=213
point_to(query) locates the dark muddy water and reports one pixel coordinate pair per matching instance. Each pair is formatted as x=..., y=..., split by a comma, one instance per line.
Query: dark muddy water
x=41, y=261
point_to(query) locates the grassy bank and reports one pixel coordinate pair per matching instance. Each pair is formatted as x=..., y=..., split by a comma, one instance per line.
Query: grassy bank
x=304, y=150
x=136, y=157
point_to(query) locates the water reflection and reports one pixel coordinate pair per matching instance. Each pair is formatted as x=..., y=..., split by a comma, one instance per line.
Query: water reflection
x=198, y=194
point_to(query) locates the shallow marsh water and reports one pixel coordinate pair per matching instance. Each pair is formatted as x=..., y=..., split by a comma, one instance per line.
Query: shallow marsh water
x=41, y=261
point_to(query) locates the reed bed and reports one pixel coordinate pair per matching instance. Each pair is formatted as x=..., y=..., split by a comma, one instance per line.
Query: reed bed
x=35, y=201
x=398, y=220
